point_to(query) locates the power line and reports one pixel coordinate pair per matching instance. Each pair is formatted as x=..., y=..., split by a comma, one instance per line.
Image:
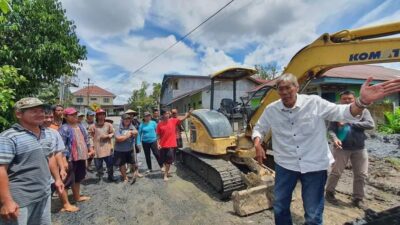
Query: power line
x=182, y=38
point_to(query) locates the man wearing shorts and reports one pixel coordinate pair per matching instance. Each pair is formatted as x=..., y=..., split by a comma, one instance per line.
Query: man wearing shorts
x=124, y=142
x=76, y=141
x=166, y=131
x=26, y=154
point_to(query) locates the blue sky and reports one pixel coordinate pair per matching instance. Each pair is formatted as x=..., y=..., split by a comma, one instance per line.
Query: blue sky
x=122, y=35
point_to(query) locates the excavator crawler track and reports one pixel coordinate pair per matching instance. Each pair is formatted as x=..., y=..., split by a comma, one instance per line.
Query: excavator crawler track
x=222, y=175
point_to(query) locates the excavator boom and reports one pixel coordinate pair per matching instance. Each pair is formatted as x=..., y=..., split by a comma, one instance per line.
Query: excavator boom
x=349, y=47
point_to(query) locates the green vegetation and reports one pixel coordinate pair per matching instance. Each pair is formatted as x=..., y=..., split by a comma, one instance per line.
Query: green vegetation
x=141, y=99
x=9, y=80
x=392, y=125
x=38, y=45
x=267, y=72
x=395, y=162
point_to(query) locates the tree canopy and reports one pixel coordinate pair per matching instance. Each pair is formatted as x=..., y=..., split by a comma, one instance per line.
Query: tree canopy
x=268, y=71
x=141, y=98
x=38, y=45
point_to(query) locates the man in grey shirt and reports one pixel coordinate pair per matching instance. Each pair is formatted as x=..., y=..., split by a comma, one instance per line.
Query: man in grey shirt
x=124, y=146
x=24, y=169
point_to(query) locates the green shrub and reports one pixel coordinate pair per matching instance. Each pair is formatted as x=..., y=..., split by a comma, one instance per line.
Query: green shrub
x=392, y=125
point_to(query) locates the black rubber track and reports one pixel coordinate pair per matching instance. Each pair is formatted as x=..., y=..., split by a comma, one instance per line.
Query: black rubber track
x=222, y=175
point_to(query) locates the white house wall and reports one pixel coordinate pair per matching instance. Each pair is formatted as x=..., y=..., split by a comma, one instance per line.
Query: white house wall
x=185, y=85
x=225, y=90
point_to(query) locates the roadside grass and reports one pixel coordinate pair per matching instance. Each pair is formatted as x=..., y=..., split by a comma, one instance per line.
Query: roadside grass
x=394, y=161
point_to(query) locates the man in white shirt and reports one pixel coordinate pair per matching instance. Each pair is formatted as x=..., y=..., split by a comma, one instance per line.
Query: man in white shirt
x=300, y=143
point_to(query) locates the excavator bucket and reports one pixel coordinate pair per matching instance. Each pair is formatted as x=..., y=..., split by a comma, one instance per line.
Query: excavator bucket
x=253, y=200
x=259, y=194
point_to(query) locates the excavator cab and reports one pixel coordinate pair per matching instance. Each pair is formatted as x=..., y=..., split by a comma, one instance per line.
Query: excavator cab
x=212, y=130
x=233, y=110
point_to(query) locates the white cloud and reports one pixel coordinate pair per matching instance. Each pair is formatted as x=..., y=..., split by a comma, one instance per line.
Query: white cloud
x=215, y=60
x=274, y=29
x=103, y=18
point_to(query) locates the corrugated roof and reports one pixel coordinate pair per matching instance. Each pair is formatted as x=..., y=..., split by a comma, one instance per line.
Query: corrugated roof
x=93, y=91
x=362, y=72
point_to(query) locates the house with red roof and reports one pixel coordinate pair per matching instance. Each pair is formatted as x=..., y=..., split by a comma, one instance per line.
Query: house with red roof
x=85, y=97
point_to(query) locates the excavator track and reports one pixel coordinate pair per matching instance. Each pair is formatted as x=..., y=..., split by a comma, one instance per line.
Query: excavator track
x=222, y=175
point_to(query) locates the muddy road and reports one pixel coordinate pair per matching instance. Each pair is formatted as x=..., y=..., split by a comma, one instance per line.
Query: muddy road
x=186, y=199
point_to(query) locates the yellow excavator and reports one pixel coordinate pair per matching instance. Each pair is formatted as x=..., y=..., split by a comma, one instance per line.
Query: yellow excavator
x=226, y=160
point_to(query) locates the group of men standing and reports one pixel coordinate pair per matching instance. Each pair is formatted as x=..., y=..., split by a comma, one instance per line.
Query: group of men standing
x=50, y=148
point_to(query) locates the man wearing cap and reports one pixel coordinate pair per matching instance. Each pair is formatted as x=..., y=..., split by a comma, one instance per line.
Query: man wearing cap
x=136, y=124
x=26, y=154
x=81, y=116
x=125, y=140
x=86, y=123
x=101, y=133
x=89, y=119
x=78, y=147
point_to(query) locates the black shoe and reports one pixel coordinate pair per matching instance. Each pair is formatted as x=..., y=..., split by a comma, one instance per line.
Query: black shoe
x=112, y=179
x=359, y=203
x=330, y=197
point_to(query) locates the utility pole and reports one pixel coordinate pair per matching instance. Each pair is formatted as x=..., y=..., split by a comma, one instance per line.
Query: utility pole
x=87, y=92
x=62, y=89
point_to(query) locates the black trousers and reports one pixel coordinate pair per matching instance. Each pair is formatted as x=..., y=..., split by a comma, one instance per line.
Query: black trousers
x=153, y=147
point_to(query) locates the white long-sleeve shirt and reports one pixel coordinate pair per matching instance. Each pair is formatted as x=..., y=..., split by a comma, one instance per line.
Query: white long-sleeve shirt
x=299, y=138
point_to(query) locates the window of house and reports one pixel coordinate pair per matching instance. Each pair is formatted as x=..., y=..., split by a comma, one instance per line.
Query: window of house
x=79, y=100
x=175, y=85
x=106, y=100
x=93, y=99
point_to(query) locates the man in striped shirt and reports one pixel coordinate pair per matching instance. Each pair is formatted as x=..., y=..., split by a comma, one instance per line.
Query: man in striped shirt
x=26, y=154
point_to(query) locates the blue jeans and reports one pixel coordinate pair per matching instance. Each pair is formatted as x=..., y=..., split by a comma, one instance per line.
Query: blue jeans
x=312, y=193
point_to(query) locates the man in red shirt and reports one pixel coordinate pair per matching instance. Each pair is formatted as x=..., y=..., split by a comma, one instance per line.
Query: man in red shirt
x=166, y=132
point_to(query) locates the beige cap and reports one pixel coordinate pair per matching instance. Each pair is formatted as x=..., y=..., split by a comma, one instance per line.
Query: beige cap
x=26, y=103
x=130, y=111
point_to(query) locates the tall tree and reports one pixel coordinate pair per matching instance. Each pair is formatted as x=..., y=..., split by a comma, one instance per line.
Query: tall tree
x=156, y=93
x=40, y=41
x=38, y=45
x=267, y=72
x=143, y=100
